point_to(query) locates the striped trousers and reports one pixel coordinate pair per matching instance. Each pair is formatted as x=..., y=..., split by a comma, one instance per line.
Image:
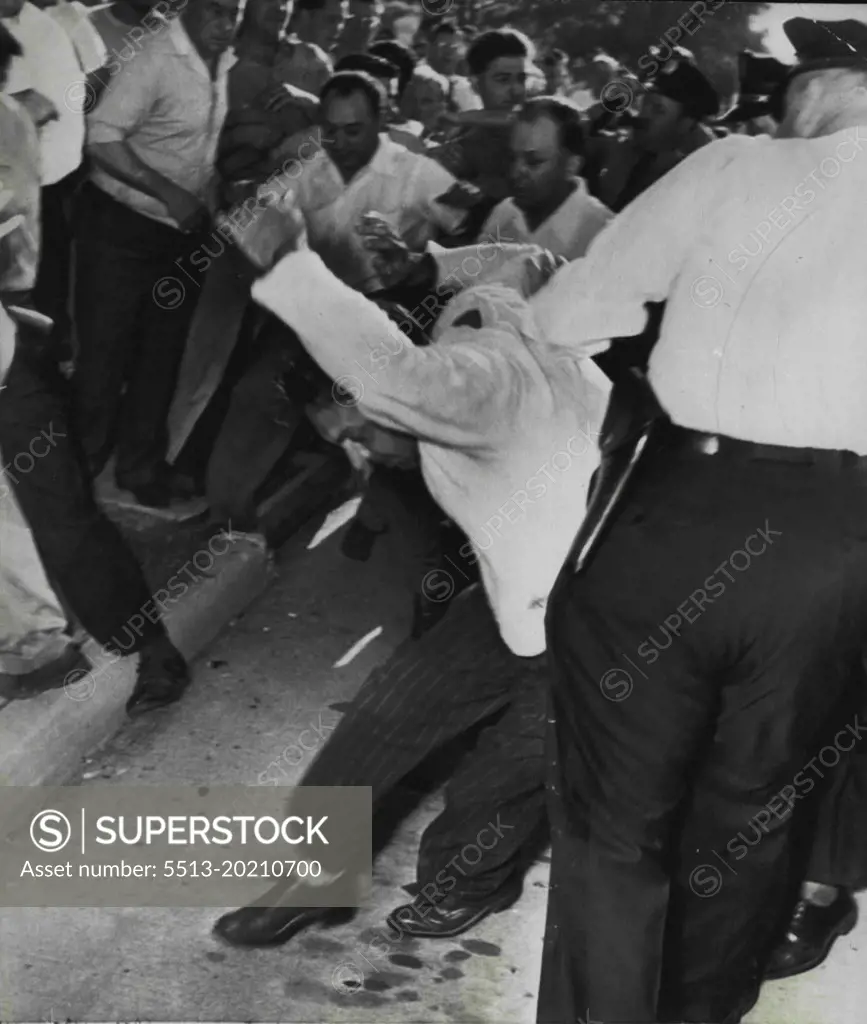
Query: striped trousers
x=455, y=678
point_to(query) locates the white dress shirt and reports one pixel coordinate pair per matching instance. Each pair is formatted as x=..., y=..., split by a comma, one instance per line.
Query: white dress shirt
x=401, y=185
x=567, y=232
x=165, y=106
x=508, y=426
x=756, y=245
x=49, y=65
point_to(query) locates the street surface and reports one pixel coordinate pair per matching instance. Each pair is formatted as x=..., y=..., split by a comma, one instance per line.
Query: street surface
x=261, y=704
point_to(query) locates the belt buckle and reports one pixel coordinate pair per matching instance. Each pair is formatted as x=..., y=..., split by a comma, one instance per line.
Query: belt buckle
x=708, y=444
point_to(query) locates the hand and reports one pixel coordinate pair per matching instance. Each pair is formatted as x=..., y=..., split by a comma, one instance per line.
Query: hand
x=274, y=232
x=186, y=210
x=393, y=261
x=39, y=107
x=462, y=196
x=526, y=271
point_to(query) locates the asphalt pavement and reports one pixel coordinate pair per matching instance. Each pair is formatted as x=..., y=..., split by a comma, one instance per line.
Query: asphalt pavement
x=262, y=703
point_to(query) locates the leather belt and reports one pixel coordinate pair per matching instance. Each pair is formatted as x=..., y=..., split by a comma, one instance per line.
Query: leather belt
x=672, y=436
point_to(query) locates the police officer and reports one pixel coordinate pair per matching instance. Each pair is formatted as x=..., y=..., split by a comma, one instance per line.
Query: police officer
x=710, y=647
x=669, y=126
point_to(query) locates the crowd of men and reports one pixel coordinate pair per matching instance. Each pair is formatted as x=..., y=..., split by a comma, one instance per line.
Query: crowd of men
x=606, y=339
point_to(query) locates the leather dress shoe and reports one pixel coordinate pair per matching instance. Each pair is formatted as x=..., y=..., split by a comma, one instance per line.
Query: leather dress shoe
x=449, y=918
x=271, y=926
x=162, y=679
x=811, y=933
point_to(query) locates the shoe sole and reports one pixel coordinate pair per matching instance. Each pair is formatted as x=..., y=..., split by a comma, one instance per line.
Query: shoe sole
x=496, y=908
x=846, y=926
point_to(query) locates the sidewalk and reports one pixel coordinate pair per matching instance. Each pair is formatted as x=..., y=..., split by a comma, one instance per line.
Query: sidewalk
x=43, y=740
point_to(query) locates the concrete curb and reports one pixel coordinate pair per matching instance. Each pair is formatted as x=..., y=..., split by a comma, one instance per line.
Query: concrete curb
x=43, y=741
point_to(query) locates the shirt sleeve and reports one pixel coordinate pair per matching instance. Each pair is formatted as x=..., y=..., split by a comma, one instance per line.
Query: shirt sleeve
x=126, y=102
x=636, y=259
x=459, y=395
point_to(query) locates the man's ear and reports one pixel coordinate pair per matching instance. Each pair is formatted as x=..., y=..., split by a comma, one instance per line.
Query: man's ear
x=574, y=165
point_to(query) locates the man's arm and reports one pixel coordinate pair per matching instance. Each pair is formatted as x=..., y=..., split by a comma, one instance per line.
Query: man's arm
x=457, y=395
x=635, y=259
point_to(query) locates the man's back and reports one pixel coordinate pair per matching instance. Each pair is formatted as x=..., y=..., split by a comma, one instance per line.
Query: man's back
x=750, y=241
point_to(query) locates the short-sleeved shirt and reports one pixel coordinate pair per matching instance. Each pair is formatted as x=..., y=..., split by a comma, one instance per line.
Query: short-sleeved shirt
x=401, y=185
x=165, y=106
x=19, y=176
x=49, y=65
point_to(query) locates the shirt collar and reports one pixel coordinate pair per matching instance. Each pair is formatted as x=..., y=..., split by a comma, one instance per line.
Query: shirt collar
x=562, y=222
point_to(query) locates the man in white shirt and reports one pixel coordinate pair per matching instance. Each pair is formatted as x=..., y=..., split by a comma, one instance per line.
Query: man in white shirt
x=506, y=428
x=706, y=652
x=359, y=170
x=49, y=71
x=550, y=205
x=152, y=142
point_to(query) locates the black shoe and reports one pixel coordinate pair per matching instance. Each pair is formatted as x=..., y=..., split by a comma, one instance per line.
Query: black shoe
x=811, y=933
x=162, y=679
x=448, y=919
x=271, y=926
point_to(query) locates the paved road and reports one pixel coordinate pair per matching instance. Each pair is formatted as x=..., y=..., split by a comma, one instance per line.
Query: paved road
x=271, y=677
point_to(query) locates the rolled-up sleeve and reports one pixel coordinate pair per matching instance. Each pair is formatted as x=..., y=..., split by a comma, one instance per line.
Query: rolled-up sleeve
x=126, y=103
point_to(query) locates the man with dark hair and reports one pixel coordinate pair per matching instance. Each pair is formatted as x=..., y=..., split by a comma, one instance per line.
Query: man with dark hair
x=549, y=205
x=360, y=170
x=319, y=22
x=499, y=63
x=670, y=125
x=392, y=78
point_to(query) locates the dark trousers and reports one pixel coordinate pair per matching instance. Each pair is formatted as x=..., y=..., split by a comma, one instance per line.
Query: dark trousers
x=133, y=308
x=430, y=692
x=82, y=551
x=702, y=659
x=837, y=853
x=51, y=293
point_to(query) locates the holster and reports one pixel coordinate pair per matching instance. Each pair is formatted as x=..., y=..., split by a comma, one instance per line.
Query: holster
x=632, y=416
